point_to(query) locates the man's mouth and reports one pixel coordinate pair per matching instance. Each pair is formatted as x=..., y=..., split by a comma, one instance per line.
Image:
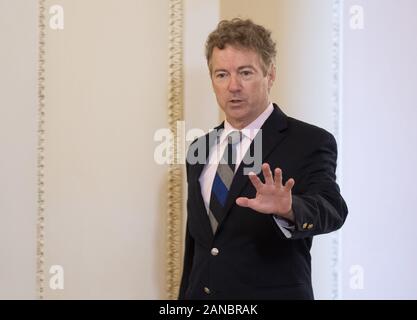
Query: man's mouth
x=236, y=100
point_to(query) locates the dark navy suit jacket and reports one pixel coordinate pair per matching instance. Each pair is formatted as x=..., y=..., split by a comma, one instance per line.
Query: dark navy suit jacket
x=255, y=260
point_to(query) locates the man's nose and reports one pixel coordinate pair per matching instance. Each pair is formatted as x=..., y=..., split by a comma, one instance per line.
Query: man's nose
x=234, y=83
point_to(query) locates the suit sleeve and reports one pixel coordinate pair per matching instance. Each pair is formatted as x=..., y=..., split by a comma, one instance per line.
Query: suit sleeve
x=317, y=204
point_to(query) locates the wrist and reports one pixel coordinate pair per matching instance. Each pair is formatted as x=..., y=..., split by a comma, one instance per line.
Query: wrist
x=288, y=216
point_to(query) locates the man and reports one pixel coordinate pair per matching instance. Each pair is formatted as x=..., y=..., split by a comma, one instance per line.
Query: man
x=249, y=236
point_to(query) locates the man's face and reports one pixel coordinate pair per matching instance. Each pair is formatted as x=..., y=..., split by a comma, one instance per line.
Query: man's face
x=241, y=88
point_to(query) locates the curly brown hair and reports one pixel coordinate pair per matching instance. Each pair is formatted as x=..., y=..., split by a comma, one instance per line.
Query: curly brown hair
x=245, y=34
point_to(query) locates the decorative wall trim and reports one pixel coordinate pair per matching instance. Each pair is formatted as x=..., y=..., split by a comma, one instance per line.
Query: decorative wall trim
x=175, y=175
x=337, y=13
x=40, y=242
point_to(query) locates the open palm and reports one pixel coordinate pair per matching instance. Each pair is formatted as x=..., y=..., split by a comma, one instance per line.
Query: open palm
x=271, y=197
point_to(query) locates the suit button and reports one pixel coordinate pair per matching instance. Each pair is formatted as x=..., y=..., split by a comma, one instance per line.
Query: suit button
x=214, y=252
x=207, y=290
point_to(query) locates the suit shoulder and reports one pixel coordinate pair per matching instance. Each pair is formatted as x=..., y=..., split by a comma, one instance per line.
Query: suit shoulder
x=203, y=137
x=309, y=131
x=198, y=141
x=198, y=150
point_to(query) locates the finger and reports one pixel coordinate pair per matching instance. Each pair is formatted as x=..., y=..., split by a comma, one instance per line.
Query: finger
x=257, y=183
x=266, y=170
x=289, y=184
x=278, y=178
x=242, y=201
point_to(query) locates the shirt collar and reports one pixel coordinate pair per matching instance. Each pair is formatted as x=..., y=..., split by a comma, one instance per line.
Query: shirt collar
x=251, y=130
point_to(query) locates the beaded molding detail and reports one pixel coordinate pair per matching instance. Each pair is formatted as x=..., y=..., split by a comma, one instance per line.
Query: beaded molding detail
x=175, y=113
x=40, y=243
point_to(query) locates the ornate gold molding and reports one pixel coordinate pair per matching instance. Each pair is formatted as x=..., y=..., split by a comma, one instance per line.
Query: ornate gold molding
x=41, y=139
x=175, y=113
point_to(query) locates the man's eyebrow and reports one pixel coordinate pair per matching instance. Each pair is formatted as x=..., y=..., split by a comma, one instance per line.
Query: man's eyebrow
x=245, y=67
x=240, y=68
x=220, y=70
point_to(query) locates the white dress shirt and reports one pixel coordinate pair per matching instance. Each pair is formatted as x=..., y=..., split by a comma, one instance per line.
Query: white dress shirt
x=248, y=134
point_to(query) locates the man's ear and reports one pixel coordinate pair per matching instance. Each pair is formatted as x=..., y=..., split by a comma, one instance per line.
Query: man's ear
x=271, y=75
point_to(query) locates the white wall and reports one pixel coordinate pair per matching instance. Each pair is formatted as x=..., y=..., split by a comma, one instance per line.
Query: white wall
x=106, y=95
x=106, y=91
x=379, y=151
x=18, y=138
x=200, y=106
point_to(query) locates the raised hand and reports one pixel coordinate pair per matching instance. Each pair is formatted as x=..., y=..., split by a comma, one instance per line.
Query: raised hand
x=271, y=197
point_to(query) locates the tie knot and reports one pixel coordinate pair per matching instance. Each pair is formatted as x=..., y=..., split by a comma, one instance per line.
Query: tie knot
x=234, y=137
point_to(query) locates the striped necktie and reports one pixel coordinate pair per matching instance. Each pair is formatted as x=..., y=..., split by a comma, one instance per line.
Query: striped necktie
x=223, y=180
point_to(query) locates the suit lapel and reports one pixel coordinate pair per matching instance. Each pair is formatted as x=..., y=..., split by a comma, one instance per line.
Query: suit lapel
x=197, y=158
x=273, y=132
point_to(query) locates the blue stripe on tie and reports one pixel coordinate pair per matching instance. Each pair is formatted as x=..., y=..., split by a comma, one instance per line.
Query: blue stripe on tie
x=220, y=190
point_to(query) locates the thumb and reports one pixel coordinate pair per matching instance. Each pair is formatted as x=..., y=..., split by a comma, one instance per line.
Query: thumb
x=242, y=201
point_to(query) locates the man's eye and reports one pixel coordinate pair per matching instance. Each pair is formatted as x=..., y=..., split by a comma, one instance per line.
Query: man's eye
x=220, y=75
x=246, y=73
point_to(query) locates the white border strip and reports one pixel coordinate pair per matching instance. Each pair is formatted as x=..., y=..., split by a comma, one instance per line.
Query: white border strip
x=337, y=40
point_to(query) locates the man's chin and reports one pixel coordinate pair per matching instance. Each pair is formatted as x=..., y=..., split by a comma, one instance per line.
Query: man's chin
x=236, y=116
x=236, y=110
